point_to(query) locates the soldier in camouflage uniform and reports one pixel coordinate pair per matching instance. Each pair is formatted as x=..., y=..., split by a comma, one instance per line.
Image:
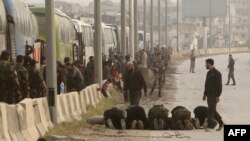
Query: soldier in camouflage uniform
x=159, y=73
x=23, y=76
x=37, y=84
x=9, y=85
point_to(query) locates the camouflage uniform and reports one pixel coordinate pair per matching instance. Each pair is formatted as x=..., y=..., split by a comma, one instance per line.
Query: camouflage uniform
x=159, y=75
x=35, y=80
x=23, y=78
x=9, y=85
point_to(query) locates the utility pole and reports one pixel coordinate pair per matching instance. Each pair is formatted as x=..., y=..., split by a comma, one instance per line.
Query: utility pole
x=159, y=21
x=123, y=27
x=152, y=24
x=51, y=57
x=144, y=24
x=136, y=25
x=98, y=43
x=166, y=29
x=177, y=38
x=131, y=29
x=229, y=24
x=210, y=24
x=248, y=23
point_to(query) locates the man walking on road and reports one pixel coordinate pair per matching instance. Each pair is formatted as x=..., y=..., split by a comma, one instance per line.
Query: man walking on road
x=192, y=59
x=231, y=70
x=134, y=83
x=213, y=90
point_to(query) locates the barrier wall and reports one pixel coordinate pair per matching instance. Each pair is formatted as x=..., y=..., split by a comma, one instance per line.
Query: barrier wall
x=30, y=119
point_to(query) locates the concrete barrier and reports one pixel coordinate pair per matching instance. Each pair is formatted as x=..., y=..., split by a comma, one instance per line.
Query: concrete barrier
x=71, y=106
x=65, y=109
x=59, y=111
x=4, y=133
x=91, y=96
x=95, y=94
x=46, y=112
x=38, y=121
x=14, y=125
x=82, y=103
x=76, y=102
x=27, y=119
x=85, y=96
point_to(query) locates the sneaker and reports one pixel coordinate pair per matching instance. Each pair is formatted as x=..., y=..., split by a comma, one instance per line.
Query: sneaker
x=140, y=125
x=134, y=124
x=161, y=124
x=110, y=124
x=212, y=129
x=197, y=123
x=205, y=124
x=220, y=127
x=156, y=125
x=123, y=124
x=233, y=84
x=227, y=84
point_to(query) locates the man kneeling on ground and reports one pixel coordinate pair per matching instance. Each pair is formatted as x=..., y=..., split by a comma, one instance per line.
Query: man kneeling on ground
x=158, y=118
x=201, y=113
x=115, y=118
x=136, y=118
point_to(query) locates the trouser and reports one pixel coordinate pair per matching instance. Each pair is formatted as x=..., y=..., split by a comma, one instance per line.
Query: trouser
x=135, y=97
x=211, y=101
x=192, y=66
x=231, y=75
x=126, y=96
x=159, y=80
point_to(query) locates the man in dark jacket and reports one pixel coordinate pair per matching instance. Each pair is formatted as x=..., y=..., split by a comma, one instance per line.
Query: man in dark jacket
x=231, y=70
x=213, y=90
x=134, y=83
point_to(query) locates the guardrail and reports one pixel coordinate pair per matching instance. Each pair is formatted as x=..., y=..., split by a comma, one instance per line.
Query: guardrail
x=209, y=51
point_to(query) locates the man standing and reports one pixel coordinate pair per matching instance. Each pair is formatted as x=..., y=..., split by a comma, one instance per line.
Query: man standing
x=90, y=71
x=23, y=76
x=231, y=70
x=9, y=85
x=134, y=83
x=159, y=72
x=213, y=90
x=192, y=59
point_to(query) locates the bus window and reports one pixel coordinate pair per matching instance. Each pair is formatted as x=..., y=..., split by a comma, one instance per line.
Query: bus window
x=108, y=36
x=140, y=36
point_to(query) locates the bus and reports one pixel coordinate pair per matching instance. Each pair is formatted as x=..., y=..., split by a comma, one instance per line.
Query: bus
x=65, y=33
x=19, y=29
x=85, y=47
x=109, y=41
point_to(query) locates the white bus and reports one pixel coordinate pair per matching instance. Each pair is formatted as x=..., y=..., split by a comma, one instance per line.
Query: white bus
x=85, y=41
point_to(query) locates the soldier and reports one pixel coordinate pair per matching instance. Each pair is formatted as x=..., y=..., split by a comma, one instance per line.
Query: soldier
x=192, y=59
x=74, y=78
x=90, y=71
x=38, y=87
x=159, y=74
x=61, y=78
x=231, y=70
x=9, y=85
x=23, y=76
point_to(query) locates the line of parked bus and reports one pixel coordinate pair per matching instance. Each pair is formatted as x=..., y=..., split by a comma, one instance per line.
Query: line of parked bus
x=21, y=25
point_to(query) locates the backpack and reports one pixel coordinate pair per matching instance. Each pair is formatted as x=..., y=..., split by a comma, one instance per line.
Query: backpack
x=181, y=113
x=159, y=112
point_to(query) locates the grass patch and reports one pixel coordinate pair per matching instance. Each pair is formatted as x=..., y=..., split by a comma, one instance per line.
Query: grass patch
x=73, y=128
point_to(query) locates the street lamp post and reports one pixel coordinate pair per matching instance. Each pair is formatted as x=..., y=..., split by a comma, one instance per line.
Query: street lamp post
x=136, y=26
x=152, y=24
x=98, y=43
x=51, y=57
x=123, y=27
